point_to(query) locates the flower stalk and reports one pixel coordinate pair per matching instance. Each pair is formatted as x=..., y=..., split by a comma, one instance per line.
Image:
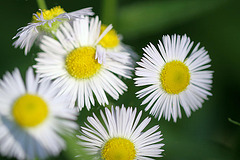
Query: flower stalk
x=109, y=11
x=41, y=4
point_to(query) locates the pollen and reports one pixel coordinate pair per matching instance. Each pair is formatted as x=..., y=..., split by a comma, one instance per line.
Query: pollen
x=118, y=149
x=81, y=63
x=175, y=77
x=110, y=40
x=49, y=15
x=29, y=110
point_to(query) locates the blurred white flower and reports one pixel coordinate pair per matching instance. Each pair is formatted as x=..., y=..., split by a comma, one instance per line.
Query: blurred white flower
x=45, y=22
x=116, y=49
x=32, y=117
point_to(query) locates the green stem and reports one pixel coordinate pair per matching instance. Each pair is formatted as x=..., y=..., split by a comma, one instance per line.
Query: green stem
x=234, y=122
x=42, y=4
x=109, y=11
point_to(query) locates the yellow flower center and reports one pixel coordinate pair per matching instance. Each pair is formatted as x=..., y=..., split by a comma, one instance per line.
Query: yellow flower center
x=29, y=110
x=118, y=149
x=175, y=77
x=110, y=40
x=49, y=15
x=81, y=63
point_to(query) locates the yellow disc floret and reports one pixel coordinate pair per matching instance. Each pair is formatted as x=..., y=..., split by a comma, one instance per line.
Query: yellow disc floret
x=175, y=77
x=49, y=15
x=81, y=63
x=110, y=40
x=118, y=149
x=29, y=110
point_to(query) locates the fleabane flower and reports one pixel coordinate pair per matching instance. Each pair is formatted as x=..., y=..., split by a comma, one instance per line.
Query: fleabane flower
x=175, y=77
x=120, y=134
x=45, y=22
x=79, y=65
x=32, y=117
x=116, y=49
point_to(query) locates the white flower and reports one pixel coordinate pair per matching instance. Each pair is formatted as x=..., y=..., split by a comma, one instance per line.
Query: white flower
x=120, y=134
x=116, y=49
x=70, y=61
x=174, y=77
x=45, y=23
x=32, y=117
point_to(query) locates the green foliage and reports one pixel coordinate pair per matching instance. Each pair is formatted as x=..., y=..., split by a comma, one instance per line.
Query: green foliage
x=207, y=134
x=148, y=17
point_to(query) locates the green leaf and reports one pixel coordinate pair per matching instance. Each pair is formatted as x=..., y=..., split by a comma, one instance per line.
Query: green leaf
x=148, y=17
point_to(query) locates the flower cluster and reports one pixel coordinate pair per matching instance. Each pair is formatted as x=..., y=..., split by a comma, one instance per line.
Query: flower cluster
x=82, y=63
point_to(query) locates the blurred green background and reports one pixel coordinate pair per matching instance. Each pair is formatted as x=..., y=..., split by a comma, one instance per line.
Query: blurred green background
x=207, y=134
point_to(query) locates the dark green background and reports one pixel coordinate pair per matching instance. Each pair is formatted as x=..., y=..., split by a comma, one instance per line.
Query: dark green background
x=207, y=134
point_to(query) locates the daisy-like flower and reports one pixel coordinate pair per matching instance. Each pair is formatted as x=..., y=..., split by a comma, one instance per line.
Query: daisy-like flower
x=174, y=77
x=32, y=117
x=79, y=65
x=45, y=22
x=121, y=135
x=116, y=49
